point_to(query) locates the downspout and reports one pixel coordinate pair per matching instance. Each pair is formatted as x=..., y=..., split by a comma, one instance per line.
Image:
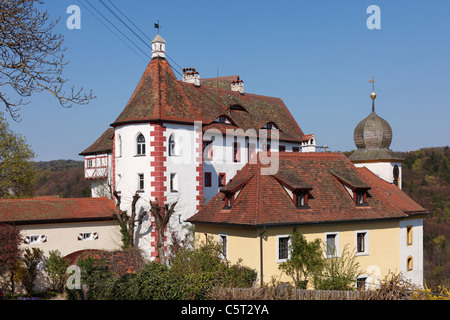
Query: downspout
x=261, y=254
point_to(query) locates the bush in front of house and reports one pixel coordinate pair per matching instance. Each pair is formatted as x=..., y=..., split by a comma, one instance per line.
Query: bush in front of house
x=191, y=274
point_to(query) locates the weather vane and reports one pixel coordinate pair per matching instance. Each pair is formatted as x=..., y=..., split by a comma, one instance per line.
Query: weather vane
x=157, y=26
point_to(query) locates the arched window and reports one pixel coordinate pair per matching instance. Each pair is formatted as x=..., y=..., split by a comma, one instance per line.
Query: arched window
x=172, y=145
x=140, y=145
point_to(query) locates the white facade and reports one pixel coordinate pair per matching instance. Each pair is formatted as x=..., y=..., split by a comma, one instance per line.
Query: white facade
x=384, y=170
x=411, y=250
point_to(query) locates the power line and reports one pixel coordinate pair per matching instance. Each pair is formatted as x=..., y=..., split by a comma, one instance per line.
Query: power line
x=117, y=28
x=112, y=31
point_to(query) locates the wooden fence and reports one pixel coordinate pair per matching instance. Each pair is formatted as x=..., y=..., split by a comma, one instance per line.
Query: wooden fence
x=282, y=294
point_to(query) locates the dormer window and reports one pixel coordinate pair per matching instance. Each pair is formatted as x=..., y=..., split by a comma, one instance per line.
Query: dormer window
x=270, y=125
x=301, y=199
x=360, y=198
x=229, y=199
x=223, y=119
x=237, y=107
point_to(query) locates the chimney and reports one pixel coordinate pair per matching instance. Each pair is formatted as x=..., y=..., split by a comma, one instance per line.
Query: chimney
x=238, y=85
x=190, y=75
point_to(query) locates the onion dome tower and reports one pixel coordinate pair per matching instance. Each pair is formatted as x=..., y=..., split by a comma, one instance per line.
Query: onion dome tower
x=373, y=136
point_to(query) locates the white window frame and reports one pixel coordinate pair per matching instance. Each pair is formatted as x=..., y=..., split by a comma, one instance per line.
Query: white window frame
x=336, y=244
x=90, y=237
x=278, y=247
x=220, y=242
x=173, y=182
x=139, y=182
x=141, y=145
x=38, y=239
x=366, y=243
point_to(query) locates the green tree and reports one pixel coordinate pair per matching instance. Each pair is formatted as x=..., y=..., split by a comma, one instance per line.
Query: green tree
x=306, y=258
x=16, y=170
x=55, y=268
x=31, y=259
x=339, y=273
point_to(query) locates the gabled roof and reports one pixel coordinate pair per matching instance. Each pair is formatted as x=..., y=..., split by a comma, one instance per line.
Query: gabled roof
x=160, y=96
x=54, y=210
x=104, y=144
x=263, y=200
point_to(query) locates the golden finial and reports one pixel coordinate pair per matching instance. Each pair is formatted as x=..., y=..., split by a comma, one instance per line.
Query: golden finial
x=373, y=94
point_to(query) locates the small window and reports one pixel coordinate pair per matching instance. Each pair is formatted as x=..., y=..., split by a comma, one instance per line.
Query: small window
x=89, y=163
x=362, y=245
x=119, y=146
x=409, y=235
x=361, y=283
x=251, y=151
x=172, y=145
x=360, y=198
x=223, y=246
x=221, y=179
x=301, y=199
x=282, y=148
x=283, y=248
x=295, y=149
x=207, y=150
x=236, y=152
x=141, y=182
x=140, y=145
x=331, y=243
x=208, y=179
x=173, y=182
x=229, y=198
x=85, y=236
x=222, y=119
x=409, y=263
x=270, y=125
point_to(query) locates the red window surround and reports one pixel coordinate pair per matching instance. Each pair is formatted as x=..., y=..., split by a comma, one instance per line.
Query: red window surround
x=222, y=179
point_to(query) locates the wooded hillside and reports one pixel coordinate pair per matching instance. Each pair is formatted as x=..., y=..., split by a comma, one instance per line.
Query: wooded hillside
x=64, y=178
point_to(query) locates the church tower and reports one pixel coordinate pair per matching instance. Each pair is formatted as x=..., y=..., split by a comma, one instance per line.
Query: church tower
x=373, y=136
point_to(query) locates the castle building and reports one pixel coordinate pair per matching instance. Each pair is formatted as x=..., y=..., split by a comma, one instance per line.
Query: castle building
x=182, y=140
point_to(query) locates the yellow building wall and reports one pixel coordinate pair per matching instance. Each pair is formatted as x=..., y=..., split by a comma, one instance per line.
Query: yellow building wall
x=244, y=243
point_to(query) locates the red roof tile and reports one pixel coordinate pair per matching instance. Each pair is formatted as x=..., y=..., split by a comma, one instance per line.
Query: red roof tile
x=52, y=210
x=264, y=201
x=160, y=96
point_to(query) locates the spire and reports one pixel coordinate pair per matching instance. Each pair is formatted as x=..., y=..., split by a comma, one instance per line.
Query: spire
x=158, y=47
x=373, y=95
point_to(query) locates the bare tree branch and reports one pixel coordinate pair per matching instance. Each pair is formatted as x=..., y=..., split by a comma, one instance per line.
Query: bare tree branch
x=32, y=57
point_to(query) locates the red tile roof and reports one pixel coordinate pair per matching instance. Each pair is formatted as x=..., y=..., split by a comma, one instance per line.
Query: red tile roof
x=264, y=201
x=52, y=210
x=160, y=96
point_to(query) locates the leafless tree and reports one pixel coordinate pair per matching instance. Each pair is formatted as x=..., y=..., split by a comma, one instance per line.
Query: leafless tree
x=127, y=222
x=32, y=57
x=162, y=216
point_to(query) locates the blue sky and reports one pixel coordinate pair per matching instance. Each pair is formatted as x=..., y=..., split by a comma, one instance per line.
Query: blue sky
x=318, y=56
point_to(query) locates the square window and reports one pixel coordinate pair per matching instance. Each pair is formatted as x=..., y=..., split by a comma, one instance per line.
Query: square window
x=295, y=149
x=282, y=148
